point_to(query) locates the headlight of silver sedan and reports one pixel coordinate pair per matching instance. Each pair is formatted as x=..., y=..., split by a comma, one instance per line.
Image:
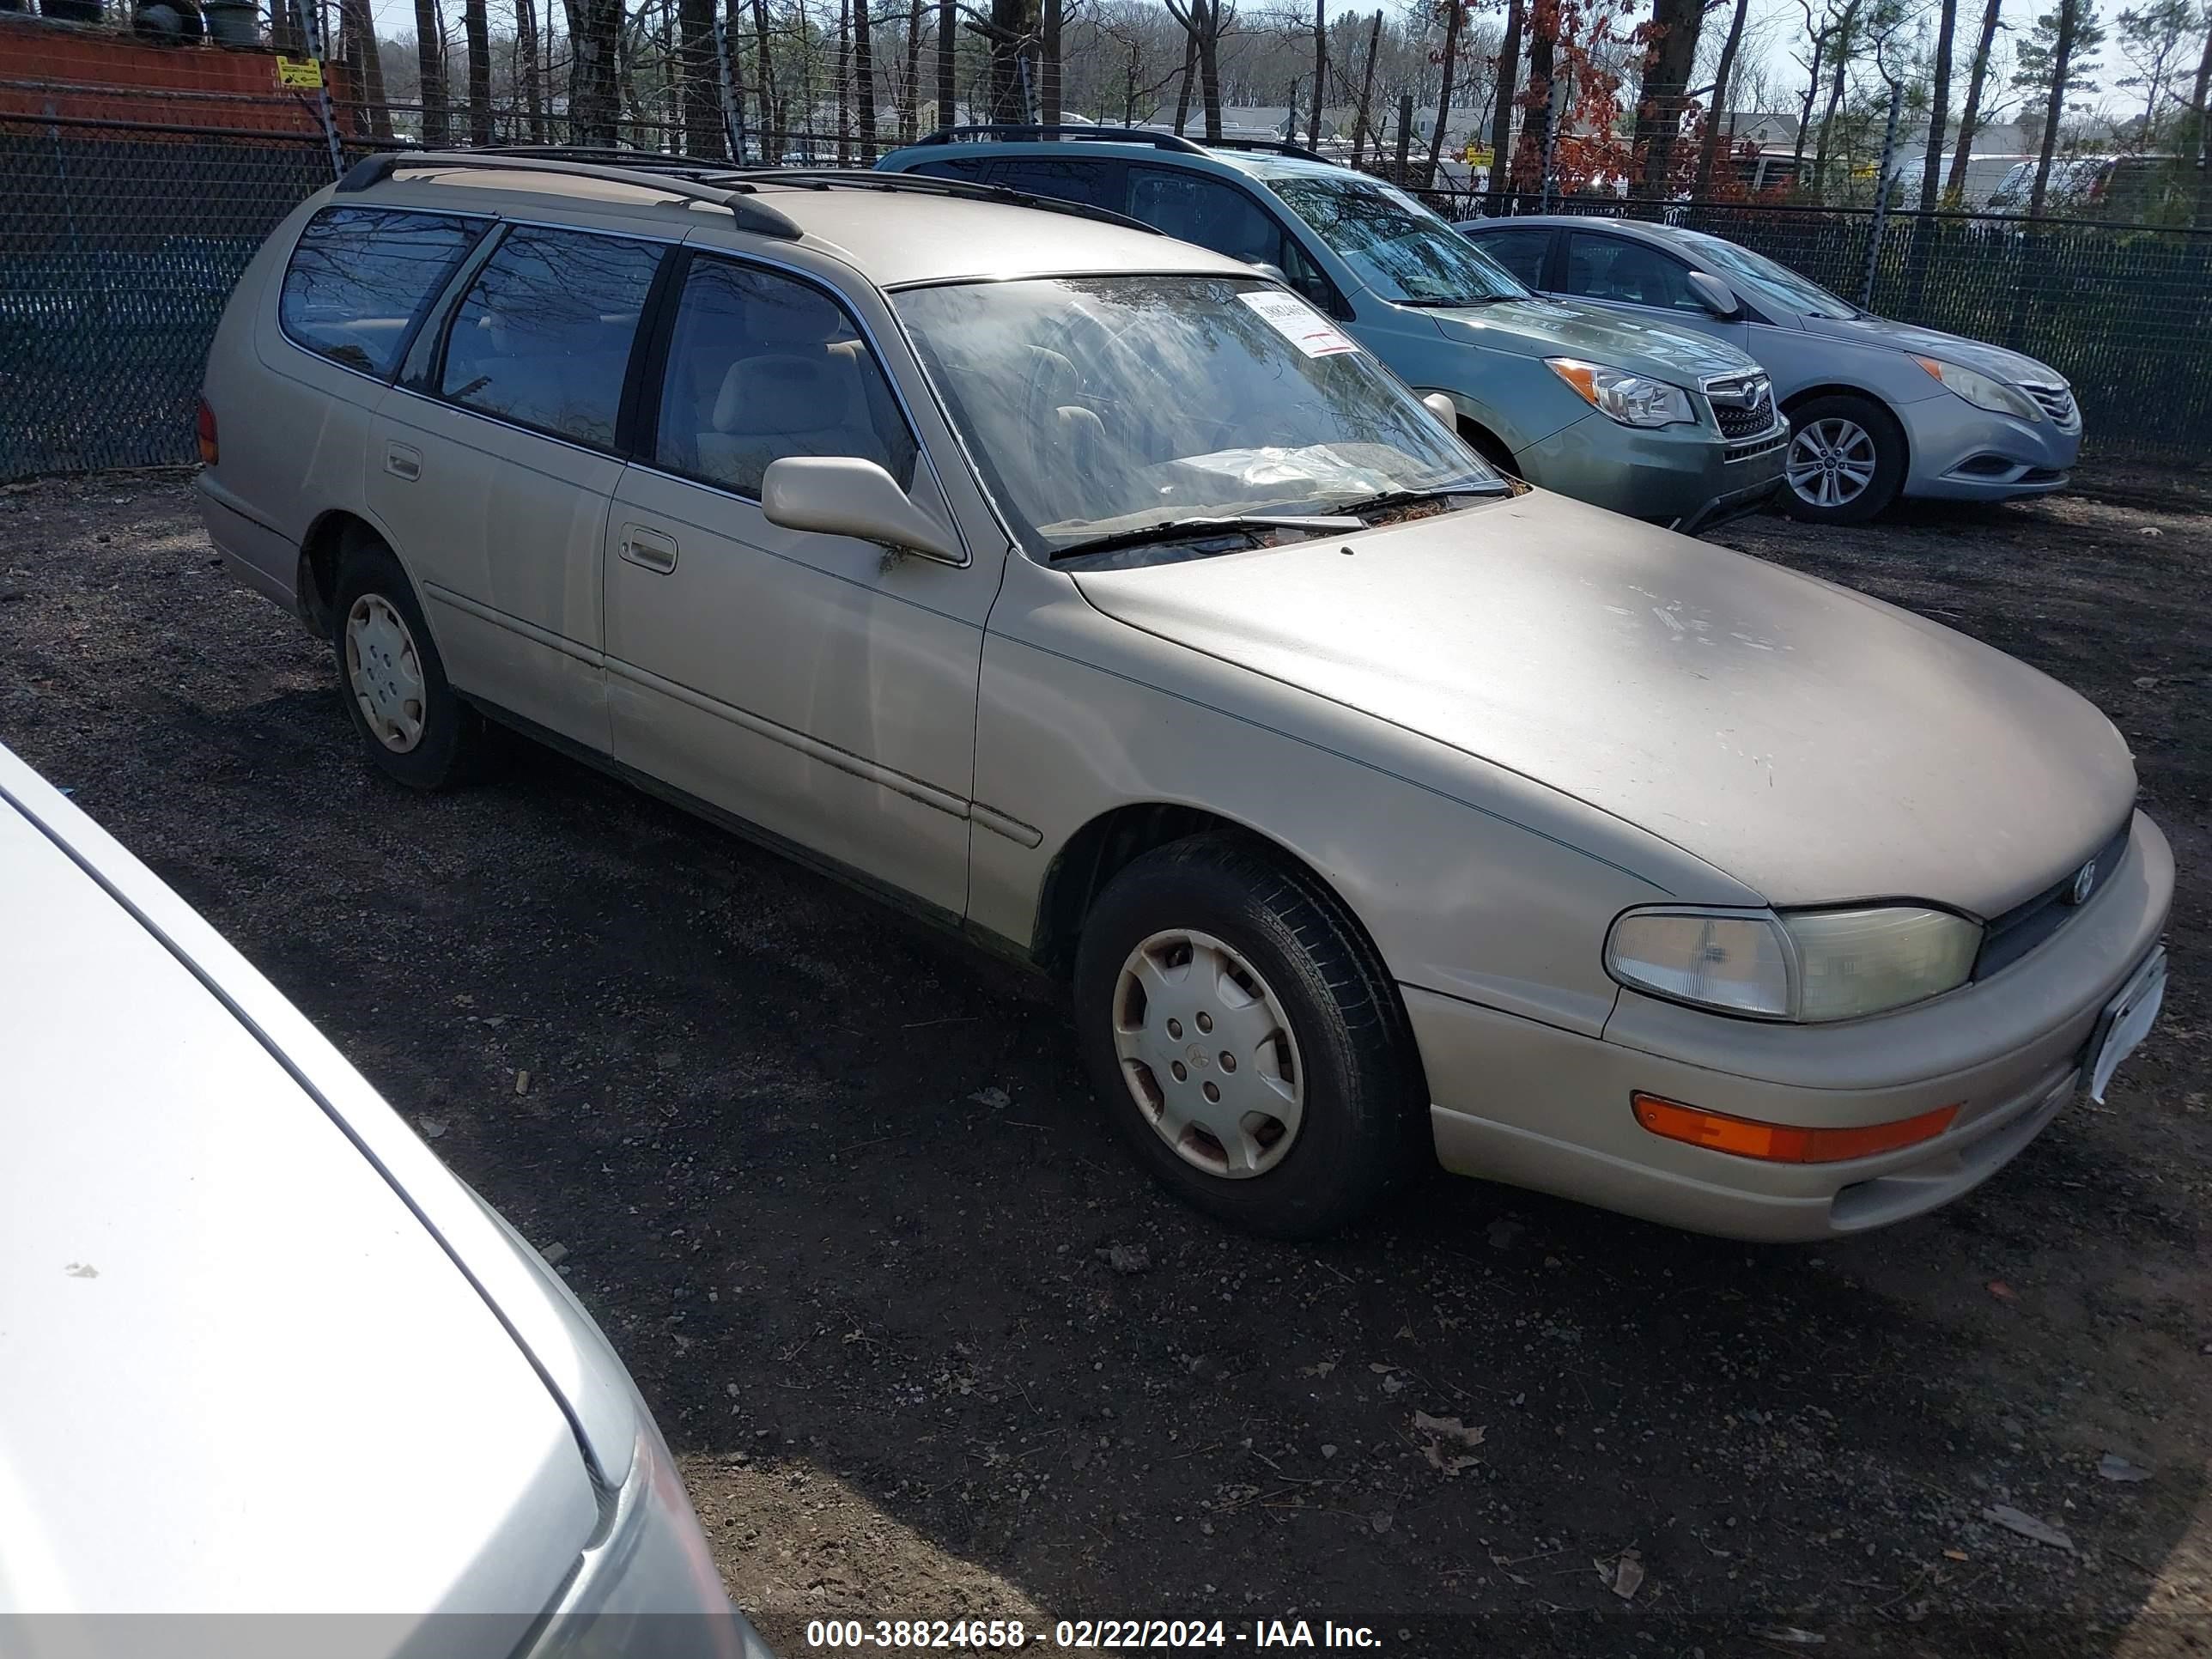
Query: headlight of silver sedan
x=1805, y=965
x=1983, y=391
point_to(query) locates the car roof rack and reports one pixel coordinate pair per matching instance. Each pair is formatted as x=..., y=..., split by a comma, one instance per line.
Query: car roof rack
x=927, y=185
x=1017, y=135
x=1274, y=147
x=736, y=198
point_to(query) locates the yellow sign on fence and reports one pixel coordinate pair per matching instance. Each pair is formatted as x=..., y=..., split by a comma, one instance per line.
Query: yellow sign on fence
x=304, y=73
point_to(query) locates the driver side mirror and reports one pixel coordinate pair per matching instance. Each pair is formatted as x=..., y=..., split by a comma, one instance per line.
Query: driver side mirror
x=845, y=495
x=1443, y=409
x=1272, y=273
x=1716, y=295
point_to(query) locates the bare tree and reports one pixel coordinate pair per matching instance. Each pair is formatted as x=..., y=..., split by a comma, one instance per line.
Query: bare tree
x=1321, y=70
x=703, y=113
x=1190, y=79
x=359, y=49
x=430, y=70
x=595, y=28
x=1048, y=66
x=1455, y=13
x=1939, y=105
x=525, y=68
x=1723, y=92
x=843, y=71
x=2193, y=150
x=910, y=104
x=947, y=93
x=1670, y=50
x=476, y=28
x=1501, y=115
x=1366, y=106
x=2062, y=70
x=1205, y=22
x=864, y=79
x=1955, y=186
x=764, y=72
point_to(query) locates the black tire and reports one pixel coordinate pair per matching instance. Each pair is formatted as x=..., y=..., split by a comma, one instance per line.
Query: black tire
x=1488, y=445
x=1365, y=1128
x=453, y=743
x=1886, y=439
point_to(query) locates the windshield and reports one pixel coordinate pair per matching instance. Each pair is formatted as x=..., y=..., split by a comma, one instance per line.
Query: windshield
x=1095, y=406
x=1399, y=248
x=1777, y=285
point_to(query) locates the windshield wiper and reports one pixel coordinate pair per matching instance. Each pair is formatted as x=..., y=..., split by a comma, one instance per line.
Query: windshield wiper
x=1392, y=498
x=1468, y=301
x=1169, y=529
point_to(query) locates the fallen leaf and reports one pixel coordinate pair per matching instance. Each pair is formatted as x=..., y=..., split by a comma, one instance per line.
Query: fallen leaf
x=1789, y=1636
x=432, y=1127
x=1954, y=1555
x=522, y=1082
x=2113, y=1467
x=2027, y=1526
x=993, y=1098
x=1450, y=1428
x=1627, y=1575
x=2002, y=1291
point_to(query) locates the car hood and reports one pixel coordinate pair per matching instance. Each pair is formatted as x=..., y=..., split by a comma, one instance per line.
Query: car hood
x=2013, y=366
x=1559, y=328
x=238, y=1372
x=1813, y=744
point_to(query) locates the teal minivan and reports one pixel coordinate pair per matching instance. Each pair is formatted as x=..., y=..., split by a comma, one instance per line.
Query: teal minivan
x=1668, y=426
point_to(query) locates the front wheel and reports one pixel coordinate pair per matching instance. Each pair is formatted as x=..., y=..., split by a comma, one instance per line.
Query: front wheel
x=1846, y=460
x=1245, y=1040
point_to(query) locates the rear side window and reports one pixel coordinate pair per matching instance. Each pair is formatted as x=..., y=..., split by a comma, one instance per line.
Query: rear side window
x=1521, y=251
x=543, y=336
x=969, y=170
x=1094, y=183
x=1196, y=209
x=360, y=277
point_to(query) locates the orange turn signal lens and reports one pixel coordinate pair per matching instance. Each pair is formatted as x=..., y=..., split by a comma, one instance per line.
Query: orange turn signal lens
x=1782, y=1143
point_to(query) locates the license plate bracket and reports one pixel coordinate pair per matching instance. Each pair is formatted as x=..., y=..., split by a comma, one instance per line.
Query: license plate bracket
x=2125, y=1023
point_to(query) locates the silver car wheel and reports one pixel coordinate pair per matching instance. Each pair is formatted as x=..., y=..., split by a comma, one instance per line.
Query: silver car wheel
x=383, y=673
x=1208, y=1054
x=1831, y=462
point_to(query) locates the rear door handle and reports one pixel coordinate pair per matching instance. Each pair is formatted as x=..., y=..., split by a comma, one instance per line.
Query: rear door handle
x=403, y=461
x=648, y=548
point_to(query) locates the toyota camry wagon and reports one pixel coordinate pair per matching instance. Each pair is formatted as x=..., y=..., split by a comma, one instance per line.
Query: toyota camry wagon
x=1100, y=598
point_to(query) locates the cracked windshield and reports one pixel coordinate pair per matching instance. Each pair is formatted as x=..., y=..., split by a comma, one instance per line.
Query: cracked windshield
x=1113, y=411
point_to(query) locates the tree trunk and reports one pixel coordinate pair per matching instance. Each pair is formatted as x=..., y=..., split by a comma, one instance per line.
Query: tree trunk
x=844, y=71
x=1360, y=116
x=1048, y=67
x=864, y=79
x=771, y=107
x=1453, y=10
x=476, y=27
x=1529, y=148
x=948, y=94
x=1723, y=90
x=1954, y=187
x=1321, y=71
x=2192, y=150
x=2062, y=68
x=1670, y=49
x=1842, y=59
x=525, y=68
x=1209, y=67
x=430, y=70
x=1013, y=27
x=1189, y=70
x=1805, y=104
x=1501, y=114
x=359, y=23
x=702, y=105
x=594, y=84
x=909, y=128
x=1938, y=107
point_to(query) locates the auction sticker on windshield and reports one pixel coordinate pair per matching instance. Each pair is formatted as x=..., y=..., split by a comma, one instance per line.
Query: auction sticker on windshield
x=1299, y=323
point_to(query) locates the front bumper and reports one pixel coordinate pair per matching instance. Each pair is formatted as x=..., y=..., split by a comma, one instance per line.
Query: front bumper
x=1534, y=1106
x=1960, y=453
x=1686, y=477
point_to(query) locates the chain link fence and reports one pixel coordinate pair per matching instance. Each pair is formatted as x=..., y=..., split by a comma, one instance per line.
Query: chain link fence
x=120, y=243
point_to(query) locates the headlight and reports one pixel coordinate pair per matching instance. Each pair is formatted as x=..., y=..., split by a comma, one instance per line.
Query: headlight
x=1808, y=965
x=1629, y=399
x=1983, y=391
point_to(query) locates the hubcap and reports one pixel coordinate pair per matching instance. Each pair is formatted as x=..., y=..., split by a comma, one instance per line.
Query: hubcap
x=383, y=673
x=1831, y=462
x=1208, y=1054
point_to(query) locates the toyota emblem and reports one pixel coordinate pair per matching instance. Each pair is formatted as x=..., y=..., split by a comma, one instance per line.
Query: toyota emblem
x=2085, y=882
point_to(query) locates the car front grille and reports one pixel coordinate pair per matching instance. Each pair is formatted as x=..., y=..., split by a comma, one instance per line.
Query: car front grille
x=2011, y=936
x=1742, y=404
x=2056, y=400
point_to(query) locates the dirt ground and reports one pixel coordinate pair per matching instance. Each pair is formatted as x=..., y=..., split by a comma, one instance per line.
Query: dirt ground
x=834, y=1186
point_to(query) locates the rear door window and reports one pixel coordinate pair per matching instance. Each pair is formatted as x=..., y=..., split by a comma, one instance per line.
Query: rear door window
x=362, y=277
x=542, y=338
x=1196, y=209
x=1095, y=184
x=1521, y=251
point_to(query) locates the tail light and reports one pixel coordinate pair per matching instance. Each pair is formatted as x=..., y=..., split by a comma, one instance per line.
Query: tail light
x=205, y=427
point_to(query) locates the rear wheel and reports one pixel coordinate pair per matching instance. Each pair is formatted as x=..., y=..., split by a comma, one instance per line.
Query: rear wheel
x=1245, y=1040
x=1846, y=460
x=415, y=726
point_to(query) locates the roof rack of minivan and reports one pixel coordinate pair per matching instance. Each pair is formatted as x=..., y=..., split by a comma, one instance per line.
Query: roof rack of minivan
x=929, y=184
x=735, y=196
x=1019, y=135
x=1273, y=146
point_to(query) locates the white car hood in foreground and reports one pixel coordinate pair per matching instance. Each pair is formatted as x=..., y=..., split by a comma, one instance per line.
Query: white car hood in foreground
x=1816, y=745
x=237, y=1372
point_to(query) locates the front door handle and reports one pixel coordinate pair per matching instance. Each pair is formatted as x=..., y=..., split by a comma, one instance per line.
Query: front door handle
x=648, y=548
x=403, y=461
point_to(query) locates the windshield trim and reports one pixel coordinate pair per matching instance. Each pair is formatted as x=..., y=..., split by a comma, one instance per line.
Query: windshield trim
x=1015, y=544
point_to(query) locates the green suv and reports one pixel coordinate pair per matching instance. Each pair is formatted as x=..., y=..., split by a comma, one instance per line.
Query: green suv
x=1668, y=426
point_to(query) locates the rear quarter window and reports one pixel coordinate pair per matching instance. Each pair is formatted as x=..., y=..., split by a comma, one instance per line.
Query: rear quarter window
x=360, y=277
